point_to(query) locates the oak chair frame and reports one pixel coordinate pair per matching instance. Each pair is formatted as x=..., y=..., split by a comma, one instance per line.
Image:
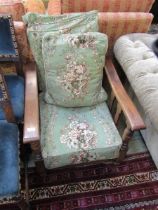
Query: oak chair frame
x=31, y=135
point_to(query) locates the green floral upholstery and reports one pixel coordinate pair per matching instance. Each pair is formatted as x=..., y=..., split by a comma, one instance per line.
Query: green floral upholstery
x=77, y=135
x=74, y=68
x=38, y=25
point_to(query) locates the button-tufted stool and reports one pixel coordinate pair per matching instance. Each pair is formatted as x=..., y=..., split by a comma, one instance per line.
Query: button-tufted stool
x=135, y=55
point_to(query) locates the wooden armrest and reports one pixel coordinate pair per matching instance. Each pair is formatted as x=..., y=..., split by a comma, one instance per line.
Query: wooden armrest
x=130, y=111
x=31, y=113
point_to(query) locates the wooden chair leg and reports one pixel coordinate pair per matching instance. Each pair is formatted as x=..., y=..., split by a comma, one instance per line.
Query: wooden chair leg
x=127, y=135
x=39, y=163
x=23, y=205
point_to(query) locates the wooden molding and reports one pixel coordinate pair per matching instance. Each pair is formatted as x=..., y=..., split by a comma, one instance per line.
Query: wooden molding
x=130, y=111
x=31, y=113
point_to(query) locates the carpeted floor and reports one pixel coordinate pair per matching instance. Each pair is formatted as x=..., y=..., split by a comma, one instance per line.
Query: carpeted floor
x=133, y=185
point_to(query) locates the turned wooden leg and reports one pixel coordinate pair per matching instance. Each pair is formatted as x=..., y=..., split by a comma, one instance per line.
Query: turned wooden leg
x=39, y=163
x=127, y=135
x=23, y=205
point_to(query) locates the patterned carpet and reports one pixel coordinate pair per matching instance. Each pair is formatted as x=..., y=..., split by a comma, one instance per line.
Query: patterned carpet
x=132, y=184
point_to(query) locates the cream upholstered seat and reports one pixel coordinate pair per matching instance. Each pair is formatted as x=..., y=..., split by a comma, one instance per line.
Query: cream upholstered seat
x=140, y=64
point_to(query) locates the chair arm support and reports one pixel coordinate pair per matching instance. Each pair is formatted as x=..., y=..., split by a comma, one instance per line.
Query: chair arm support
x=31, y=112
x=131, y=113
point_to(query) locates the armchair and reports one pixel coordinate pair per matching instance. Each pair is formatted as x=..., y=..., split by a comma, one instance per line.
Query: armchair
x=11, y=114
x=53, y=138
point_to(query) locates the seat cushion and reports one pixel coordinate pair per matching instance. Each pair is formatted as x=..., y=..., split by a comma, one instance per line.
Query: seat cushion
x=140, y=64
x=38, y=25
x=77, y=135
x=15, y=86
x=74, y=73
x=9, y=159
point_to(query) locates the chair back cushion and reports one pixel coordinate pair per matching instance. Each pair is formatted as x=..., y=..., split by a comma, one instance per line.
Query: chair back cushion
x=116, y=24
x=77, y=135
x=8, y=45
x=68, y=6
x=12, y=7
x=74, y=68
x=38, y=25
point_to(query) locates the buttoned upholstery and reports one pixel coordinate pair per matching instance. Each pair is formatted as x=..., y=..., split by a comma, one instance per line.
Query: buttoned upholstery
x=135, y=55
x=140, y=64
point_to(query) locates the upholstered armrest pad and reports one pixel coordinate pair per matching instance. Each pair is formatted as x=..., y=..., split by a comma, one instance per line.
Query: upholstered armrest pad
x=31, y=114
x=132, y=116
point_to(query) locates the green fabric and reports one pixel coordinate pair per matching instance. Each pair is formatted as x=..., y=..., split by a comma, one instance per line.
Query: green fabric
x=38, y=25
x=74, y=68
x=77, y=135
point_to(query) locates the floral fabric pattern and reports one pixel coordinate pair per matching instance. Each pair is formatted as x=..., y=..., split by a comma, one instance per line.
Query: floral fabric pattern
x=39, y=25
x=82, y=41
x=74, y=73
x=77, y=135
x=75, y=79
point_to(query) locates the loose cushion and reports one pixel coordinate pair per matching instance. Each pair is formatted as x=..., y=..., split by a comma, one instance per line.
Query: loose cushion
x=77, y=135
x=38, y=25
x=9, y=159
x=140, y=64
x=13, y=7
x=68, y=6
x=15, y=85
x=74, y=68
